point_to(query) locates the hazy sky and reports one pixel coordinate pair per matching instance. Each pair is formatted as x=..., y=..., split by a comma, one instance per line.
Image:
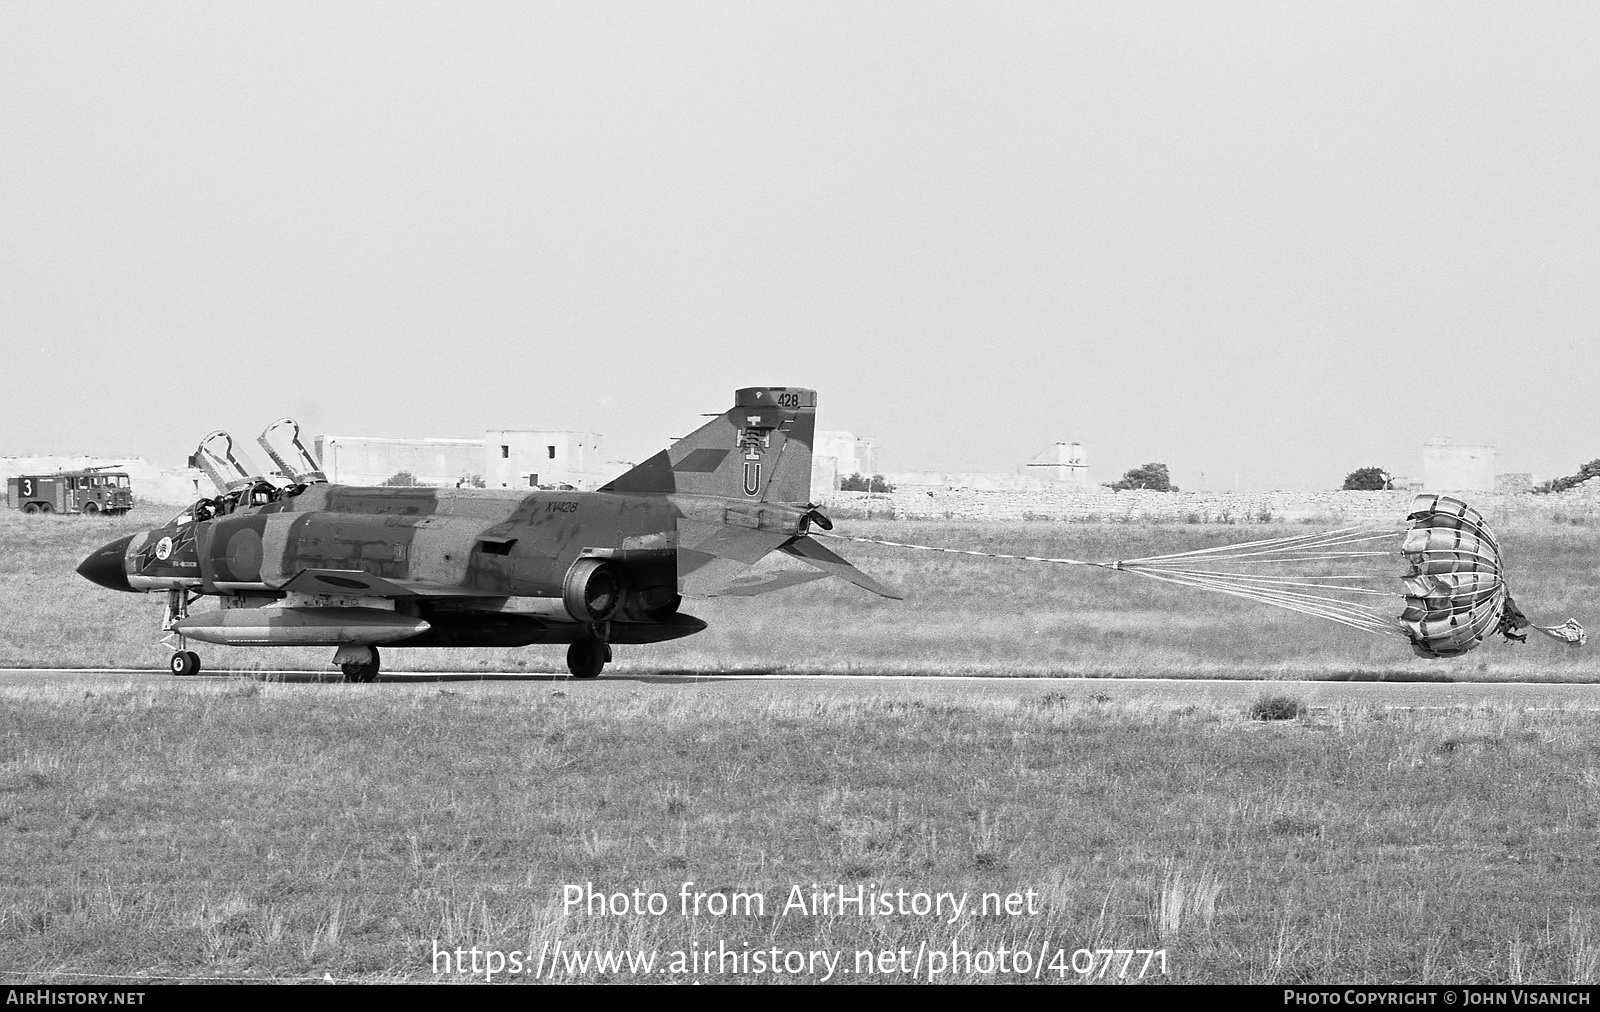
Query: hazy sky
x=1266, y=242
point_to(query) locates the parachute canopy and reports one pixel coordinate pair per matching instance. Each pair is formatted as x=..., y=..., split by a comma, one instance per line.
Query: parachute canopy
x=1455, y=594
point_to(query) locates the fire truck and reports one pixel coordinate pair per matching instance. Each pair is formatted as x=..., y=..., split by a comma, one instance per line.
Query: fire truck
x=96, y=490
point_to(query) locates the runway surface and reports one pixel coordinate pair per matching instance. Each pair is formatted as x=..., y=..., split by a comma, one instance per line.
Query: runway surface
x=1582, y=695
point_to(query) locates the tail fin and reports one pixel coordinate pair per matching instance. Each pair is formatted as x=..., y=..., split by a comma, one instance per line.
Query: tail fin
x=760, y=451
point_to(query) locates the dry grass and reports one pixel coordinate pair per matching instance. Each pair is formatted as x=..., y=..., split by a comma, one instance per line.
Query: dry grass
x=1276, y=706
x=248, y=829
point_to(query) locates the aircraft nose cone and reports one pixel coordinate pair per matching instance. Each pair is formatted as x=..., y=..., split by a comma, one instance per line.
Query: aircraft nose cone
x=104, y=566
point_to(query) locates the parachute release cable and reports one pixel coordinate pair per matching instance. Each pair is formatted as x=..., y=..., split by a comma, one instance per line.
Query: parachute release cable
x=964, y=551
x=1286, y=546
x=1163, y=568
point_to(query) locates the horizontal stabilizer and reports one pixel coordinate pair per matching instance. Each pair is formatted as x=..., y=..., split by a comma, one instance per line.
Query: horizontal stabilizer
x=741, y=544
x=702, y=575
x=750, y=583
x=813, y=553
x=714, y=559
x=718, y=560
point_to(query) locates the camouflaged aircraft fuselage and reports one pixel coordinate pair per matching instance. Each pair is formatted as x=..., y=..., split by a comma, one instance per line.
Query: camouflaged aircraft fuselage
x=452, y=556
x=355, y=567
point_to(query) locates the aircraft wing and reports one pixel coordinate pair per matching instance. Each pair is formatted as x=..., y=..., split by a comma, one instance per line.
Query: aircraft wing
x=715, y=577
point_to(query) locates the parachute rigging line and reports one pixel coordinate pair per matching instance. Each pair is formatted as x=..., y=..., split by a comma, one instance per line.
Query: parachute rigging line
x=1451, y=598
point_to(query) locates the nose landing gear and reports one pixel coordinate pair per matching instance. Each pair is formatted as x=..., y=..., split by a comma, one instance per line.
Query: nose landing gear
x=183, y=660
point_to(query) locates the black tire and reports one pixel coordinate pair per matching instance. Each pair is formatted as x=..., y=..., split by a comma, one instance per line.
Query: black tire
x=586, y=658
x=45, y=507
x=30, y=508
x=184, y=663
x=90, y=508
x=367, y=672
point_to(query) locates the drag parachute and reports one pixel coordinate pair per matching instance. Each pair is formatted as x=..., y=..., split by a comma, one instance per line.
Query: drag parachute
x=1454, y=592
x=1452, y=596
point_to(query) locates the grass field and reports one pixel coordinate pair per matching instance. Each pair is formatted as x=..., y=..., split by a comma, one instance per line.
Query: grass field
x=248, y=827
x=237, y=828
x=961, y=615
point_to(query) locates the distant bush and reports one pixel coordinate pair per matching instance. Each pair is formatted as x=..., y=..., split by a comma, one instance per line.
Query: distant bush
x=1587, y=471
x=1366, y=479
x=1279, y=707
x=1150, y=476
x=856, y=483
x=401, y=479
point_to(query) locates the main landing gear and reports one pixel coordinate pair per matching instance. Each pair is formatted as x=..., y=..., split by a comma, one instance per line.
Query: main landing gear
x=587, y=657
x=184, y=662
x=359, y=664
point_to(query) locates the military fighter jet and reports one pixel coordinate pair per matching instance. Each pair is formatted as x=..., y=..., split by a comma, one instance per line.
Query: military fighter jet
x=301, y=562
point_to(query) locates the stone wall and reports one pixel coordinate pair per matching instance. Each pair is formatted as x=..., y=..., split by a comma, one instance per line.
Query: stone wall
x=1334, y=508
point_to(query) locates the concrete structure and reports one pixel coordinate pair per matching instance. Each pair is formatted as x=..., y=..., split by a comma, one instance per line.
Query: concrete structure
x=370, y=460
x=1061, y=463
x=520, y=458
x=838, y=455
x=867, y=455
x=1447, y=467
x=1058, y=467
x=150, y=483
x=824, y=475
x=503, y=458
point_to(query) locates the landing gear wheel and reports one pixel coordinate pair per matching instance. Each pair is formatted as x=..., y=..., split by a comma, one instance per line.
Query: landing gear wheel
x=367, y=672
x=586, y=658
x=184, y=662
